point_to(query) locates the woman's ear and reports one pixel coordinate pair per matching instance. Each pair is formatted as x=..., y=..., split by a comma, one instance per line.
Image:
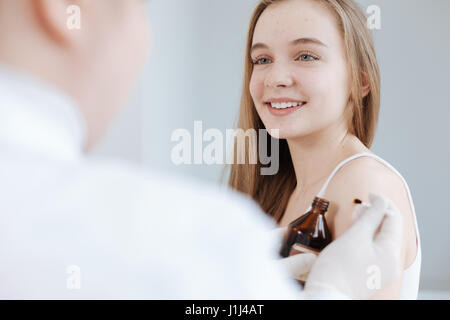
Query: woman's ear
x=366, y=85
x=60, y=20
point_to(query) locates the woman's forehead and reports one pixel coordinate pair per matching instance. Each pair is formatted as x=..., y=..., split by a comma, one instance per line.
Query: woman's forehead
x=287, y=21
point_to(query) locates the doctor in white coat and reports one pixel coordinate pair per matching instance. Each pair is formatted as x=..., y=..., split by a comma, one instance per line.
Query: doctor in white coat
x=75, y=228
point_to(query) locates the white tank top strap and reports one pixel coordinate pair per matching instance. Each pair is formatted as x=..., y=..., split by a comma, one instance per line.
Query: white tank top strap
x=340, y=165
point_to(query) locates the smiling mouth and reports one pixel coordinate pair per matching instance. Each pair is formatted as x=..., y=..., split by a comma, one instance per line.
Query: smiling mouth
x=284, y=105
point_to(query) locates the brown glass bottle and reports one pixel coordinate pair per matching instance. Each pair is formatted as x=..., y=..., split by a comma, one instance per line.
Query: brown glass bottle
x=309, y=233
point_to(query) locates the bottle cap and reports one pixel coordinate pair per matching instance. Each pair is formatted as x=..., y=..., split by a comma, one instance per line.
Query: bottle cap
x=320, y=203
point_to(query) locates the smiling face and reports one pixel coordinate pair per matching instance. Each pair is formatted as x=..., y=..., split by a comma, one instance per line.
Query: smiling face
x=300, y=82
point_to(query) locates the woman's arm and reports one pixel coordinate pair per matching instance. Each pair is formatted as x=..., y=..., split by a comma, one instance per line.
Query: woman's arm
x=355, y=180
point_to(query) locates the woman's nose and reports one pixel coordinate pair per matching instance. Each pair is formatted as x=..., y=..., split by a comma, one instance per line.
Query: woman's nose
x=279, y=76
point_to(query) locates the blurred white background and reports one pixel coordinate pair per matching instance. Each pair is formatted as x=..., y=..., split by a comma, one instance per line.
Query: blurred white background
x=195, y=73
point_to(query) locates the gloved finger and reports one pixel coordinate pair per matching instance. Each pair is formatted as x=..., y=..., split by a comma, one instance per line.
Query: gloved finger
x=360, y=209
x=392, y=229
x=299, y=265
x=371, y=217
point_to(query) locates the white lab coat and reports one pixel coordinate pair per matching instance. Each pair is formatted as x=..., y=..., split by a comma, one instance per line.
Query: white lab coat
x=77, y=228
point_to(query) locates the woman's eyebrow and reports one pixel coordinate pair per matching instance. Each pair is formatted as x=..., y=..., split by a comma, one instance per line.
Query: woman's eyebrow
x=260, y=45
x=308, y=41
x=257, y=46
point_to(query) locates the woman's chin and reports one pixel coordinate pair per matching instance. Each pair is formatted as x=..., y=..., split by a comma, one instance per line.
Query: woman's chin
x=285, y=133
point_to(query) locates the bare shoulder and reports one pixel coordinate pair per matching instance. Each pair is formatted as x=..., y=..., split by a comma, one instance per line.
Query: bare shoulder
x=356, y=179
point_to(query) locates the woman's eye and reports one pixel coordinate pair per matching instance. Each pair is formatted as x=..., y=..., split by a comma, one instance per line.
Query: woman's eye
x=307, y=57
x=262, y=61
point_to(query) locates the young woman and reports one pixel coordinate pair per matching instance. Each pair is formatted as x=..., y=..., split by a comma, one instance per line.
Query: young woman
x=311, y=72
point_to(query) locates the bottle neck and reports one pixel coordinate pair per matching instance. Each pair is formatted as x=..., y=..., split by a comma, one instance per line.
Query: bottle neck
x=316, y=210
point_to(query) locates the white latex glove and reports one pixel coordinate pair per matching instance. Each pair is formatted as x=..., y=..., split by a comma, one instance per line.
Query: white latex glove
x=361, y=261
x=298, y=265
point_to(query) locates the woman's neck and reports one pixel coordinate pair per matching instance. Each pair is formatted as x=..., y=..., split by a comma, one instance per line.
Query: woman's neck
x=315, y=155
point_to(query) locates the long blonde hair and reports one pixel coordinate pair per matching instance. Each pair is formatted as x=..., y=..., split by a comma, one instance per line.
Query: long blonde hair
x=272, y=192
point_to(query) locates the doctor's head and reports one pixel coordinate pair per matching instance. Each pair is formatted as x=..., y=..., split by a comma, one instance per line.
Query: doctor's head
x=310, y=71
x=91, y=49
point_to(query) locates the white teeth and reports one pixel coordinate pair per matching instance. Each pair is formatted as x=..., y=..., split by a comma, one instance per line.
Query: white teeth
x=284, y=105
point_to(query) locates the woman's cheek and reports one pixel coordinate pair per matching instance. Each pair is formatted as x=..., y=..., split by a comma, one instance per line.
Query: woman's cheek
x=256, y=88
x=320, y=89
x=311, y=83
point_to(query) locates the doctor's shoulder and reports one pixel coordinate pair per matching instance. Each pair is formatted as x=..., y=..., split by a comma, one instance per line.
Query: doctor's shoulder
x=170, y=197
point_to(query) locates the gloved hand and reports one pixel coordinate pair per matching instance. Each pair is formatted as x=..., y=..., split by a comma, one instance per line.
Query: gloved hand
x=298, y=265
x=361, y=260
